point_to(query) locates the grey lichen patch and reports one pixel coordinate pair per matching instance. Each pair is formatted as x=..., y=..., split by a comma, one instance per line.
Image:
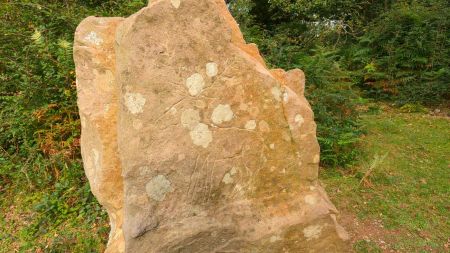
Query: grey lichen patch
x=201, y=135
x=195, y=84
x=299, y=120
x=285, y=97
x=135, y=102
x=93, y=38
x=190, y=118
x=173, y=111
x=250, y=125
x=275, y=238
x=222, y=113
x=176, y=3
x=211, y=69
x=312, y=232
x=106, y=108
x=276, y=92
x=158, y=187
x=228, y=178
x=310, y=200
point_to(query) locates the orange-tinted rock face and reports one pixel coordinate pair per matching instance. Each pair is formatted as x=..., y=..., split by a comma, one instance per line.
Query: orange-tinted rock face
x=98, y=102
x=217, y=153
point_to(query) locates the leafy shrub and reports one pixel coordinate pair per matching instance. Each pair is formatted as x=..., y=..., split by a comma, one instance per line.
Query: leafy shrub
x=334, y=100
x=39, y=125
x=329, y=86
x=404, y=54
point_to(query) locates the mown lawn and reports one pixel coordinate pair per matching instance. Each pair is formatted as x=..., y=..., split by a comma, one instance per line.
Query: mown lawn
x=397, y=197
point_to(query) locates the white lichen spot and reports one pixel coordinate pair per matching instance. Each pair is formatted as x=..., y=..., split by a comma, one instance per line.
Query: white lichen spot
x=228, y=178
x=173, y=111
x=106, y=108
x=316, y=159
x=201, y=135
x=276, y=92
x=272, y=146
x=195, y=84
x=212, y=69
x=158, y=187
x=275, y=238
x=285, y=97
x=250, y=125
x=137, y=124
x=175, y=3
x=310, y=200
x=93, y=38
x=264, y=126
x=190, y=118
x=299, y=120
x=312, y=188
x=222, y=113
x=135, y=102
x=312, y=232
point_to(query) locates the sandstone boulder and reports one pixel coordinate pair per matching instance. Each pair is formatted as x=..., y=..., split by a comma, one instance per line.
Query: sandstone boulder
x=191, y=140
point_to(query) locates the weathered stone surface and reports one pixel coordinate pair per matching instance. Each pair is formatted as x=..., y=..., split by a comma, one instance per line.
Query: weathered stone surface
x=98, y=102
x=217, y=153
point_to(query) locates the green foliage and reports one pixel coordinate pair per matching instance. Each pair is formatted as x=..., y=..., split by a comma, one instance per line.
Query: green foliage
x=39, y=127
x=366, y=247
x=404, y=54
x=413, y=108
x=329, y=86
x=331, y=94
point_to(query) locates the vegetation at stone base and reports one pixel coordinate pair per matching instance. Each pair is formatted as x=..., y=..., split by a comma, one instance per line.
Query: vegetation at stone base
x=45, y=200
x=391, y=50
x=401, y=181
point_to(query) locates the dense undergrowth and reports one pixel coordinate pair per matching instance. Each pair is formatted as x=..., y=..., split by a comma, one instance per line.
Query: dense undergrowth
x=351, y=51
x=45, y=203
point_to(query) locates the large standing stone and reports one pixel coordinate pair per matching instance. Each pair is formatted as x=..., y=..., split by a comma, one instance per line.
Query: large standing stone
x=218, y=153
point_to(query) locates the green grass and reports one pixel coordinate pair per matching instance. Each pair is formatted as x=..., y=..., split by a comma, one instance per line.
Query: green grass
x=58, y=217
x=21, y=230
x=408, y=186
